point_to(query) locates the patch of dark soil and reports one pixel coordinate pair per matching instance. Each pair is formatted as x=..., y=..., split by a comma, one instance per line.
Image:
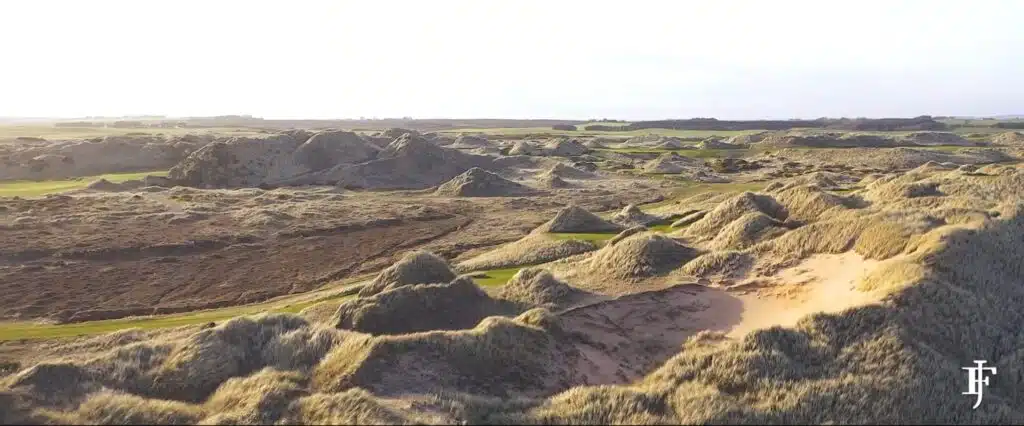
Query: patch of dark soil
x=111, y=287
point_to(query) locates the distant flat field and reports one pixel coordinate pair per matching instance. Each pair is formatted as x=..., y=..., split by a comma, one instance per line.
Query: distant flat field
x=46, y=131
x=677, y=133
x=27, y=188
x=631, y=133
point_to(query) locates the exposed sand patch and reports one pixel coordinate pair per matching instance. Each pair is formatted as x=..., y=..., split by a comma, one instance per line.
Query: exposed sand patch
x=821, y=283
x=624, y=338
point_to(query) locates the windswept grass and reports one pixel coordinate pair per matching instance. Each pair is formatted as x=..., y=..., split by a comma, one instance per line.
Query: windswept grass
x=692, y=189
x=599, y=237
x=27, y=188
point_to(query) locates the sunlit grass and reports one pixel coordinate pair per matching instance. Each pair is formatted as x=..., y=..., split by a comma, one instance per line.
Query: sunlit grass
x=495, y=277
x=690, y=189
x=29, y=330
x=50, y=132
x=28, y=188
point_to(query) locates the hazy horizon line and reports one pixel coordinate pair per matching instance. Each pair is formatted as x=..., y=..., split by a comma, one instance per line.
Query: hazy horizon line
x=370, y=118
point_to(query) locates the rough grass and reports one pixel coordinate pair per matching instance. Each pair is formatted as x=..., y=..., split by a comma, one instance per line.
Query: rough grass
x=533, y=249
x=691, y=189
x=26, y=188
x=600, y=237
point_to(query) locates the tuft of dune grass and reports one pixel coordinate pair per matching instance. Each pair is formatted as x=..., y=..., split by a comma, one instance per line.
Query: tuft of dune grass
x=416, y=267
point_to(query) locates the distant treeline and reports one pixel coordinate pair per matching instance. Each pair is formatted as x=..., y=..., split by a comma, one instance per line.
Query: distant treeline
x=1010, y=125
x=859, y=124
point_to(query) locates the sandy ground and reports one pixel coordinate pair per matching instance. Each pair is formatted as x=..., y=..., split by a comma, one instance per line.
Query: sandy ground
x=821, y=283
x=622, y=339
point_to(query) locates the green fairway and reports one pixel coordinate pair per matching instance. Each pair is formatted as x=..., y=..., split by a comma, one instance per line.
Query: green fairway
x=583, y=236
x=28, y=188
x=27, y=330
x=496, y=277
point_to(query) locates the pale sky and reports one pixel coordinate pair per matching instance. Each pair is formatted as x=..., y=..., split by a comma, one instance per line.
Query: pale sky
x=512, y=59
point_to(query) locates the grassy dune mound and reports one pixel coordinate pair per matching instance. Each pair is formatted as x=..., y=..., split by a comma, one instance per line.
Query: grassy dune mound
x=470, y=141
x=732, y=209
x=535, y=248
x=500, y=357
x=417, y=267
x=423, y=307
x=639, y=256
x=477, y=182
x=562, y=147
x=823, y=180
x=810, y=202
x=631, y=215
x=554, y=182
x=577, y=219
x=106, y=185
x=1009, y=138
x=628, y=232
x=565, y=171
x=672, y=163
x=188, y=370
x=746, y=231
x=537, y=287
x=689, y=218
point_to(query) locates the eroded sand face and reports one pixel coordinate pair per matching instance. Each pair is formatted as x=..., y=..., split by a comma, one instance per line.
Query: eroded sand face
x=821, y=283
x=624, y=338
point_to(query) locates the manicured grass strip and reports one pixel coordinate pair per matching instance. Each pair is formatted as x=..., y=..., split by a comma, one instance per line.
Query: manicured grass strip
x=496, y=277
x=27, y=188
x=583, y=236
x=27, y=330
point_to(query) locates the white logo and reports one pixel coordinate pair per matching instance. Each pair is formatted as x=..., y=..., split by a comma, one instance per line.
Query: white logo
x=976, y=377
